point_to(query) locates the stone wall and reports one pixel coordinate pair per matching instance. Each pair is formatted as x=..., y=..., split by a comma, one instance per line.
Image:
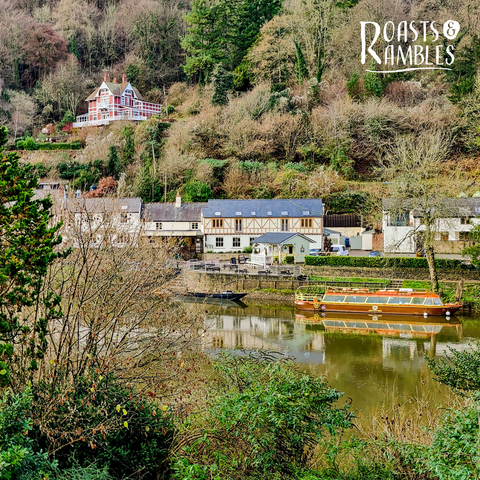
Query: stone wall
x=216, y=282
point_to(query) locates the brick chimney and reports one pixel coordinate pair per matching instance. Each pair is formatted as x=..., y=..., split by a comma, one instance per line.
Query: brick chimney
x=124, y=78
x=178, y=200
x=115, y=80
x=106, y=77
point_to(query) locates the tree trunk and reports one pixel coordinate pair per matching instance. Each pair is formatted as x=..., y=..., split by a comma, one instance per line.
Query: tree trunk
x=432, y=268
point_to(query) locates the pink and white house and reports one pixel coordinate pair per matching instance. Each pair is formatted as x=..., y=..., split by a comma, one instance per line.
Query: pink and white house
x=116, y=101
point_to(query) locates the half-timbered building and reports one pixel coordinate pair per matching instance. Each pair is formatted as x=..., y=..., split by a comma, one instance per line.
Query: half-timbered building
x=232, y=225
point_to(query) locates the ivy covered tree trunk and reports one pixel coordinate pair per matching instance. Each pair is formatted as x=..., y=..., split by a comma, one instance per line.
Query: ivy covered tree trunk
x=222, y=84
x=302, y=72
x=27, y=243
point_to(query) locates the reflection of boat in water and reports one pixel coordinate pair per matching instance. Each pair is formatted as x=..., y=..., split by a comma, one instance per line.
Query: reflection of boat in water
x=403, y=301
x=384, y=325
x=210, y=301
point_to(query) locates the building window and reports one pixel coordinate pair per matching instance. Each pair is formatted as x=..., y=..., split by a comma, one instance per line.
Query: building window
x=284, y=224
x=159, y=225
x=464, y=236
x=217, y=223
x=444, y=236
x=306, y=223
x=252, y=240
x=194, y=225
x=122, y=100
x=123, y=218
x=465, y=221
x=219, y=242
x=238, y=224
x=236, y=242
x=399, y=220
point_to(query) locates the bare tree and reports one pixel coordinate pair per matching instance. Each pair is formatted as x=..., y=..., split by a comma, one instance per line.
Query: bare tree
x=22, y=109
x=420, y=188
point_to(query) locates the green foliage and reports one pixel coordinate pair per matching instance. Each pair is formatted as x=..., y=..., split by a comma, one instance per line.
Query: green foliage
x=269, y=413
x=21, y=145
x=347, y=202
x=298, y=167
x=196, y=191
x=474, y=250
x=464, y=69
x=248, y=249
x=59, y=146
x=19, y=460
x=221, y=32
x=83, y=175
x=374, y=85
x=381, y=262
x=26, y=251
x=353, y=85
x=460, y=370
x=250, y=166
x=109, y=424
x=90, y=472
x=114, y=164
x=67, y=119
x=243, y=77
x=290, y=259
x=222, y=85
x=30, y=144
x=301, y=64
x=342, y=164
x=128, y=150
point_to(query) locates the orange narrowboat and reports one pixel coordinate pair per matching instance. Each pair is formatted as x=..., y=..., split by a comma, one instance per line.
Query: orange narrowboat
x=402, y=301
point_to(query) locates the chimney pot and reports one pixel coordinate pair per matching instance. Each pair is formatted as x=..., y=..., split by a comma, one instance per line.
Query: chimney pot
x=124, y=78
x=106, y=77
x=115, y=80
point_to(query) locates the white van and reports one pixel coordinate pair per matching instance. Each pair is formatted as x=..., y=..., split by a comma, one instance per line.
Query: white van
x=339, y=250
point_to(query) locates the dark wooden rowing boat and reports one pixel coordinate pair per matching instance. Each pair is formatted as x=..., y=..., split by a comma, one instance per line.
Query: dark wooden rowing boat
x=225, y=295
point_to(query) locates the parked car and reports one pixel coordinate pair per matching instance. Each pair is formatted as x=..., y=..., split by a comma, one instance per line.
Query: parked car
x=339, y=250
x=316, y=252
x=374, y=253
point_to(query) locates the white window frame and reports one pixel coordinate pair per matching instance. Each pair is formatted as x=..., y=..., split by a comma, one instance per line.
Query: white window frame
x=236, y=240
x=219, y=243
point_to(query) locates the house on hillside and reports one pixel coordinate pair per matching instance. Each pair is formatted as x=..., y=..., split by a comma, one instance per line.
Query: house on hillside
x=181, y=221
x=402, y=231
x=232, y=225
x=116, y=101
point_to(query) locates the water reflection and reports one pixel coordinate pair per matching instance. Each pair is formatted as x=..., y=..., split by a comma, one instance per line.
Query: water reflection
x=366, y=357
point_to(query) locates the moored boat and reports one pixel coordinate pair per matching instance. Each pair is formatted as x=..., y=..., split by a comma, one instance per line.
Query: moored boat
x=402, y=301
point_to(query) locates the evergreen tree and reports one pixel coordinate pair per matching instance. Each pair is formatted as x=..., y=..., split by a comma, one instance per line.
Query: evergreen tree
x=27, y=245
x=373, y=82
x=222, y=84
x=302, y=72
x=114, y=165
x=222, y=31
x=128, y=136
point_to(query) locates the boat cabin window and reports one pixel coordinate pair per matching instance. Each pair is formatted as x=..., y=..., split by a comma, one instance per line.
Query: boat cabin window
x=356, y=299
x=437, y=301
x=429, y=301
x=399, y=300
x=334, y=298
x=417, y=301
x=377, y=299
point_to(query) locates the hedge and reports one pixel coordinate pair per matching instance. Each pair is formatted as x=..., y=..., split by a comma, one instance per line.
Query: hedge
x=383, y=262
x=59, y=146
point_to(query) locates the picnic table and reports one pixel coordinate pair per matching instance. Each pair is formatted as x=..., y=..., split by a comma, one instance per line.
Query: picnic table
x=285, y=272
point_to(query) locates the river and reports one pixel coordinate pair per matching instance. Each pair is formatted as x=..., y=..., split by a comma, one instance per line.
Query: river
x=373, y=360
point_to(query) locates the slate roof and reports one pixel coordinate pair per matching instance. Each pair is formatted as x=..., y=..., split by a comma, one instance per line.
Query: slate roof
x=295, y=208
x=279, y=238
x=168, y=212
x=448, y=207
x=102, y=205
x=117, y=89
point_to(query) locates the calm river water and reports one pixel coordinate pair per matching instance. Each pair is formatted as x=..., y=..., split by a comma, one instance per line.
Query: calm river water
x=374, y=360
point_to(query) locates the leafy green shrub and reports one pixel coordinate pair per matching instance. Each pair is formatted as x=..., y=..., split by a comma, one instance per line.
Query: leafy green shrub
x=67, y=119
x=290, y=259
x=107, y=423
x=381, y=262
x=59, y=146
x=248, y=249
x=196, y=191
x=18, y=457
x=298, y=167
x=91, y=472
x=30, y=144
x=268, y=416
x=250, y=166
x=21, y=145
